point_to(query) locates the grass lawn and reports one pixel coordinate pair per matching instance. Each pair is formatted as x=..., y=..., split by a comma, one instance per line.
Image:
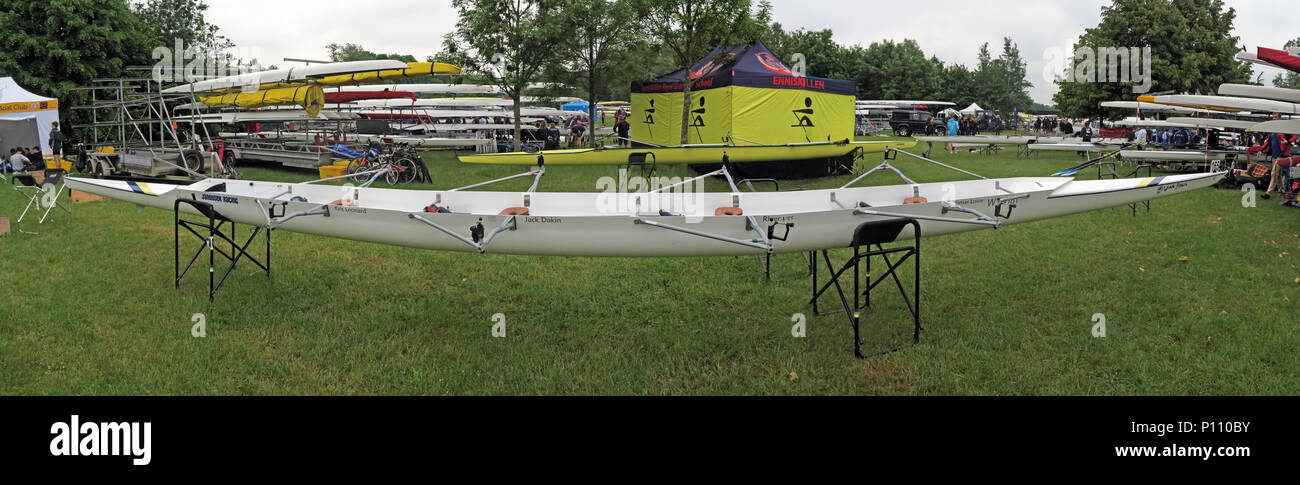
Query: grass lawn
x=1199, y=297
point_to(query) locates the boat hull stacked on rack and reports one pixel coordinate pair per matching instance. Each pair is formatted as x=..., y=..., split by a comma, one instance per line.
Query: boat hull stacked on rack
x=625, y=225
x=688, y=154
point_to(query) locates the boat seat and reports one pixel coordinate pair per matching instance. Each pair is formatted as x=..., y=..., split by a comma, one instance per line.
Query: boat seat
x=728, y=211
x=514, y=211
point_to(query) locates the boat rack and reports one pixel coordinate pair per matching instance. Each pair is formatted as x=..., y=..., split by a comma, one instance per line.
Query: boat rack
x=214, y=228
x=868, y=234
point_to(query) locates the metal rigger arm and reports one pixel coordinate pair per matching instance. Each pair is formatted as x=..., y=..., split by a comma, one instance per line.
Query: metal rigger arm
x=477, y=239
x=760, y=242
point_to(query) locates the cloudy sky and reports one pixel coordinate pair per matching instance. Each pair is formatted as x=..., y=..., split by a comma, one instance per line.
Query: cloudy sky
x=951, y=30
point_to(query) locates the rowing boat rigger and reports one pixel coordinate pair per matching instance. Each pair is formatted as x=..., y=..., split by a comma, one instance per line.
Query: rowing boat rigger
x=663, y=223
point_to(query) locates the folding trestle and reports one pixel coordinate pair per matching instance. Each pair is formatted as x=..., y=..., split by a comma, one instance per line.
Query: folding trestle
x=213, y=227
x=868, y=234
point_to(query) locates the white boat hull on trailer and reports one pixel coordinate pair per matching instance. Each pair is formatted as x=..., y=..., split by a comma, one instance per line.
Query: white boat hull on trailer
x=625, y=225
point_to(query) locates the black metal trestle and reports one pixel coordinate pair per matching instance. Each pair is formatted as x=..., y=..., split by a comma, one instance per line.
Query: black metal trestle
x=1137, y=170
x=213, y=227
x=866, y=235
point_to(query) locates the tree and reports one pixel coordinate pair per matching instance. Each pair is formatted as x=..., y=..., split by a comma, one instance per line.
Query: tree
x=507, y=41
x=1288, y=79
x=1014, y=84
x=354, y=52
x=690, y=29
x=889, y=70
x=51, y=47
x=1191, y=43
x=169, y=21
x=605, y=43
x=822, y=56
x=1000, y=83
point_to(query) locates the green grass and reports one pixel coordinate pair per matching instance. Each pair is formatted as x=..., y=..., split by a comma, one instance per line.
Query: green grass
x=1007, y=311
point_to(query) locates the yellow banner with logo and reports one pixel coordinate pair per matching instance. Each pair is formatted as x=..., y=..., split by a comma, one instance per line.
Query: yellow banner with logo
x=780, y=116
x=742, y=116
x=31, y=106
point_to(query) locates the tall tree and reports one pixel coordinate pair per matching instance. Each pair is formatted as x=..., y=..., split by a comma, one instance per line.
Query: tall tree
x=1015, y=81
x=895, y=70
x=51, y=47
x=689, y=29
x=1192, y=50
x=508, y=42
x=604, y=43
x=169, y=21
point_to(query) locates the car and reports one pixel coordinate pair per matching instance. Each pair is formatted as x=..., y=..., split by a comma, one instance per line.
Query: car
x=908, y=121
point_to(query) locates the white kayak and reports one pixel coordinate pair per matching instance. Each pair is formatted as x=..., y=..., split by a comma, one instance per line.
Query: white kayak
x=355, y=138
x=1172, y=155
x=977, y=139
x=1265, y=92
x=667, y=223
x=1073, y=147
x=1230, y=102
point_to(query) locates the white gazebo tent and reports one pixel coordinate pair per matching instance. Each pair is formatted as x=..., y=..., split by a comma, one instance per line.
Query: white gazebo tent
x=972, y=109
x=25, y=118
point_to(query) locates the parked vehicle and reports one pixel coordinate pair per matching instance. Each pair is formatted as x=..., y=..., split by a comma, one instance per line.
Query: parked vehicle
x=905, y=122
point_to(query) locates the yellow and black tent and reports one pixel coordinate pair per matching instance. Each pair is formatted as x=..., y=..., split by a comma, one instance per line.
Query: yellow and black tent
x=742, y=95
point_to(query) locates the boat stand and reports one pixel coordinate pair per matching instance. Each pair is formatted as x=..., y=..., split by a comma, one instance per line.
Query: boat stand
x=868, y=234
x=213, y=226
x=1110, y=166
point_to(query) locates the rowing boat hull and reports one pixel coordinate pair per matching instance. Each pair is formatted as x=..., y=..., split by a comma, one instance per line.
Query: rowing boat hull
x=977, y=139
x=590, y=224
x=1072, y=147
x=1172, y=155
x=688, y=154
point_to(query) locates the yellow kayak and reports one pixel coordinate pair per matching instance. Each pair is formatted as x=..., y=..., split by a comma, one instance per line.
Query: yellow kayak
x=687, y=154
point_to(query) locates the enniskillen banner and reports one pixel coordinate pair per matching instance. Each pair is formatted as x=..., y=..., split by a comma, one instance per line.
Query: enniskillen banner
x=750, y=98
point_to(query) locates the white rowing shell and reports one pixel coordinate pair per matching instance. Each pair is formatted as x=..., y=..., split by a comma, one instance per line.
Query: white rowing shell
x=590, y=224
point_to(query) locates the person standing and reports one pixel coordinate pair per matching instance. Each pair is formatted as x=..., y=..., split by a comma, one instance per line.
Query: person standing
x=952, y=131
x=56, y=141
x=621, y=130
x=929, y=131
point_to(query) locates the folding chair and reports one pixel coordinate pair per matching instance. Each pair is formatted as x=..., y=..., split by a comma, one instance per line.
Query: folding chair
x=44, y=193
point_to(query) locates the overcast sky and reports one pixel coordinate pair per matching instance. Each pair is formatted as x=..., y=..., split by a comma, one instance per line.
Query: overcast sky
x=951, y=30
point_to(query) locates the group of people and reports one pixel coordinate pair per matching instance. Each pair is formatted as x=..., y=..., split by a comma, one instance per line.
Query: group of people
x=548, y=133
x=1170, y=137
x=1277, y=147
x=1055, y=126
x=964, y=125
x=22, y=159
